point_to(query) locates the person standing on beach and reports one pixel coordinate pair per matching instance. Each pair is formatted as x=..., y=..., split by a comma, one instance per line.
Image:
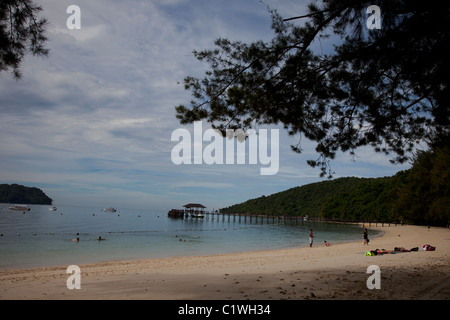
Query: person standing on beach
x=311, y=236
x=366, y=237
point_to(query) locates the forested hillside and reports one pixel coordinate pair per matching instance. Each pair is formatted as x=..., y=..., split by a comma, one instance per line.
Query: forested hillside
x=305, y=200
x=15, y=193
x=419, y=195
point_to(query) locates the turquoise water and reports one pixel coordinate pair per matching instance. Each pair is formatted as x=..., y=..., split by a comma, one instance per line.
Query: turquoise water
x=41, y=237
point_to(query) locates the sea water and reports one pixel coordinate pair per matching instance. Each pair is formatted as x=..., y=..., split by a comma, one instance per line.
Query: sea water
x=41, y=237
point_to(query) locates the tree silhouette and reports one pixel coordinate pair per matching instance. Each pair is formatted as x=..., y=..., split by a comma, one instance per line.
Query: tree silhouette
x=21, y=32
x=385, y=88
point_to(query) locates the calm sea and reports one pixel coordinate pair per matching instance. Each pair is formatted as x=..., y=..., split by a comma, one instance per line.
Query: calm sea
x=41, y=237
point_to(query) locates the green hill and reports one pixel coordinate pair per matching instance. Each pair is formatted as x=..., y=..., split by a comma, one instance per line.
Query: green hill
x=322, y=199
x=15, y=193
x=420, y=195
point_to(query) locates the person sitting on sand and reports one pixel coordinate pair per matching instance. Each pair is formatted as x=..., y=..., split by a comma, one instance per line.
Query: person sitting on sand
x=327, y=243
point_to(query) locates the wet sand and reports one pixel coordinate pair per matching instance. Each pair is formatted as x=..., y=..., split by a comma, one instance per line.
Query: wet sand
x=335, y=272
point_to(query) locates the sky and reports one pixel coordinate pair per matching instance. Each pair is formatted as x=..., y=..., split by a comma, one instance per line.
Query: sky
x=91, y=124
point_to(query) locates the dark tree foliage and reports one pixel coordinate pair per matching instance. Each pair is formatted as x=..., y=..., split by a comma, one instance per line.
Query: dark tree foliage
x=21, y=32
x=424, y=197
x=385, y=88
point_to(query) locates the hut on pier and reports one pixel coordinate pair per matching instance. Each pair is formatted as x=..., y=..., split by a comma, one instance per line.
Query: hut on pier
x=195, y=210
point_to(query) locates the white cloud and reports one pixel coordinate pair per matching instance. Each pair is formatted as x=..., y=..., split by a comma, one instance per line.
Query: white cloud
x=94, y=119
x=89, y=33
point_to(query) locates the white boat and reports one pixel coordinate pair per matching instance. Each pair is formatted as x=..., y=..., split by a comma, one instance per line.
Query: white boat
x=52, y=208
x=197, y=215
x=20, y=208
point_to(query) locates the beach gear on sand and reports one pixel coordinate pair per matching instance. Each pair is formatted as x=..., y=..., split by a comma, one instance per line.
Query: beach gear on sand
x=401, y=249
x=427, y=247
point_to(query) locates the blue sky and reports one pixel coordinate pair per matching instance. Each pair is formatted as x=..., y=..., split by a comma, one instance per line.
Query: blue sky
x=91, y=123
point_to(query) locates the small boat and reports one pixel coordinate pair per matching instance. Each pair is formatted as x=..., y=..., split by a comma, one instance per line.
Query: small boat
x=197, y=215
x=52, y=208
x=110, y=210
x=20, y=208
x=194, y=210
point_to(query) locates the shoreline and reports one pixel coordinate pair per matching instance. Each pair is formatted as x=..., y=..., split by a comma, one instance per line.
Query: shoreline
x=90, y=253
x=320, y=272
x=380, y=233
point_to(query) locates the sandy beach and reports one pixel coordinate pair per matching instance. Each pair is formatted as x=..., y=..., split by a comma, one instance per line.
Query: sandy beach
x=335, y=272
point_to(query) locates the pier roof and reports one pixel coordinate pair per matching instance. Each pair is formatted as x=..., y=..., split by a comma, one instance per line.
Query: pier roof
x=194, y=205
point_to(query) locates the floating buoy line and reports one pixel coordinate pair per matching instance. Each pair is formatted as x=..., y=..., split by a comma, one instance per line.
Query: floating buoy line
x=35, y=234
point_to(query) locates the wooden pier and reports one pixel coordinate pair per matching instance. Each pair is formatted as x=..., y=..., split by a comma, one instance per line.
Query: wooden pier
x=198, y=211
x=174, y=213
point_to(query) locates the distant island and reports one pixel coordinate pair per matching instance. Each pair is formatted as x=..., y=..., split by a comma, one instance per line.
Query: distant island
x=15, y=193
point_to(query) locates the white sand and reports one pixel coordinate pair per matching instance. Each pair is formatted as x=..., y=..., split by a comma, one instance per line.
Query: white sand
x=335, y=272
